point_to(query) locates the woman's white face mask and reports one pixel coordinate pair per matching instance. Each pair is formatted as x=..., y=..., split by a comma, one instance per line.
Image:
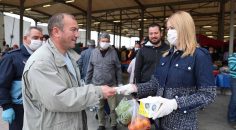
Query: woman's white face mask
x=172, y=37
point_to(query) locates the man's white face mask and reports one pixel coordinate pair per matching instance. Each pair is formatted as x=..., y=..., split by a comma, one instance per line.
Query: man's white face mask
x=43, y=42
x=136, y=48
x=104, y=45
x=172, y=37
x=35, y=44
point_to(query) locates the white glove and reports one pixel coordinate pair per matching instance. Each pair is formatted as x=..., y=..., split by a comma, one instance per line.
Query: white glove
x=126, y=89
x=119, y=85
x=168, y=105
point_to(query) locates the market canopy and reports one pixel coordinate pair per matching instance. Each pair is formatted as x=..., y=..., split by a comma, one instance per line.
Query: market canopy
x=125, y=17
x=209, y=42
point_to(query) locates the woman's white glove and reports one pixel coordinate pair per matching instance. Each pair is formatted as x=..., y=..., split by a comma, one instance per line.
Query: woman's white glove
x=167, y=106
x=126, y=89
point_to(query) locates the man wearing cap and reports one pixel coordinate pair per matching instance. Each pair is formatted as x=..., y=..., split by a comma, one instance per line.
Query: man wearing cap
x=84, y=59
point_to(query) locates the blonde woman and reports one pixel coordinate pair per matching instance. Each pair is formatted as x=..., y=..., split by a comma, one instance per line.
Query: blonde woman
x=183, y=81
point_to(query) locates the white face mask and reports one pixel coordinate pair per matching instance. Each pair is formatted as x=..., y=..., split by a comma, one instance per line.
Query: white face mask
x=136, y=48
x=104, y=45
x=43, y=42
x=172, y=36
x=35, y=44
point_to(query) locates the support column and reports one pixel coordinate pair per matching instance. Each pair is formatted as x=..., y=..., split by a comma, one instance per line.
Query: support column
x=88, y=22
x=141, y=25
x=120, y=28
x=21, y=20
x=114, y=34
x=35, y=23
x=231, y=40
x=2, y=34
x=164, y=30
x=99, y=30
x=220, y=34
x=120, y=36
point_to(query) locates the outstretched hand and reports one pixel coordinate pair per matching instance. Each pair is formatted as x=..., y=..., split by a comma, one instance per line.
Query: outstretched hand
x=108, y=91
x=126, y=89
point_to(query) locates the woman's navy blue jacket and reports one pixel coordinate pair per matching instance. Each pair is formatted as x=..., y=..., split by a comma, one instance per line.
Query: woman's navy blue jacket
x=189, y=80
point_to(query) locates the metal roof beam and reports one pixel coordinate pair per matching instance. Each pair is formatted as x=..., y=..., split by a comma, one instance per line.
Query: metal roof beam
x=160, y=5
x=140, y=4
x=171, y=8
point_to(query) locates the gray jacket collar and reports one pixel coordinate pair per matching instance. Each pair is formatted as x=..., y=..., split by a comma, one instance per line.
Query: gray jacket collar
x=59, y=58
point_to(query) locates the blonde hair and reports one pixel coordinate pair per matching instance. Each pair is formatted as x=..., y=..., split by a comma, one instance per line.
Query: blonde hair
x=185, y=27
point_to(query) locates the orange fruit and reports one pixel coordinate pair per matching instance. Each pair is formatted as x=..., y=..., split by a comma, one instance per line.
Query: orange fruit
x=131, y=126
x=139, y=124
x=146, y=123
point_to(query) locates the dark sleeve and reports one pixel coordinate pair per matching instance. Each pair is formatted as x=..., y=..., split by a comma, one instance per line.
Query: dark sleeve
x=147, y=89
x=89, y=74
x=6, y=76
x=138, y=67
x=80, y=63
x=205, y=85
x=118, y=69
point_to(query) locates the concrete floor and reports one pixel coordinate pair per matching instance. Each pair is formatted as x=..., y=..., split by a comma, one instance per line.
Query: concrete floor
x=211, y=118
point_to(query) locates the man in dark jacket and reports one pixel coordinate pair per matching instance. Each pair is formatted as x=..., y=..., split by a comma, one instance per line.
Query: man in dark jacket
x=84, y=59
x=11, y=69
x=149, y=55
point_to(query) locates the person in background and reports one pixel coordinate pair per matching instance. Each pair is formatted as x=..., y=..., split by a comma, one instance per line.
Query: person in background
x=149, y=55
x=131, y=66
x=11, y=70
x=53, y=96
x=105, y=69
x=183, y=82
x=15, y=46
x=214, y=55
x=134, y=51
x=5, y=49
x=83, y=62
x=232, y=103
x=45, y=38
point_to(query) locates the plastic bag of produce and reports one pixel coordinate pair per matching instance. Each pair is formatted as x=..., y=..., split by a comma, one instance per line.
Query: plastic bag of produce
x=138, y=121
x=124, y=111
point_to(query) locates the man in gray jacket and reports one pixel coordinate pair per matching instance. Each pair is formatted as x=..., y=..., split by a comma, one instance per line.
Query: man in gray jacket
x=105, y=69
x=52, y=96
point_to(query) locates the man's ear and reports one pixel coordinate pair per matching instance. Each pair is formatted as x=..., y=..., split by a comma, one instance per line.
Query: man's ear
x=25, y=40
x=56, y=31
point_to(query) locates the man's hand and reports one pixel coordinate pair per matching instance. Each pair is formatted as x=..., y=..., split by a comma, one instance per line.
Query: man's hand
x=8, y=115
x=168, y=105
x=108, y=91
x=126, y=89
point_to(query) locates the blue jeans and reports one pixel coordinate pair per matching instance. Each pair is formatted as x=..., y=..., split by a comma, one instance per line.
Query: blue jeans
x=232, y=103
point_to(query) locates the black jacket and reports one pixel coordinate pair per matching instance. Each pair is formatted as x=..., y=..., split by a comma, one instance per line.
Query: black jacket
x=147, y=59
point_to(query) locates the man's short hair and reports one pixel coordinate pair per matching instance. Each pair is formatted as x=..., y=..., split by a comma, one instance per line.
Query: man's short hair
x=57, y=21
x=104, y=35
x=28, y=30
x=155, y=25
x=91, y=43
